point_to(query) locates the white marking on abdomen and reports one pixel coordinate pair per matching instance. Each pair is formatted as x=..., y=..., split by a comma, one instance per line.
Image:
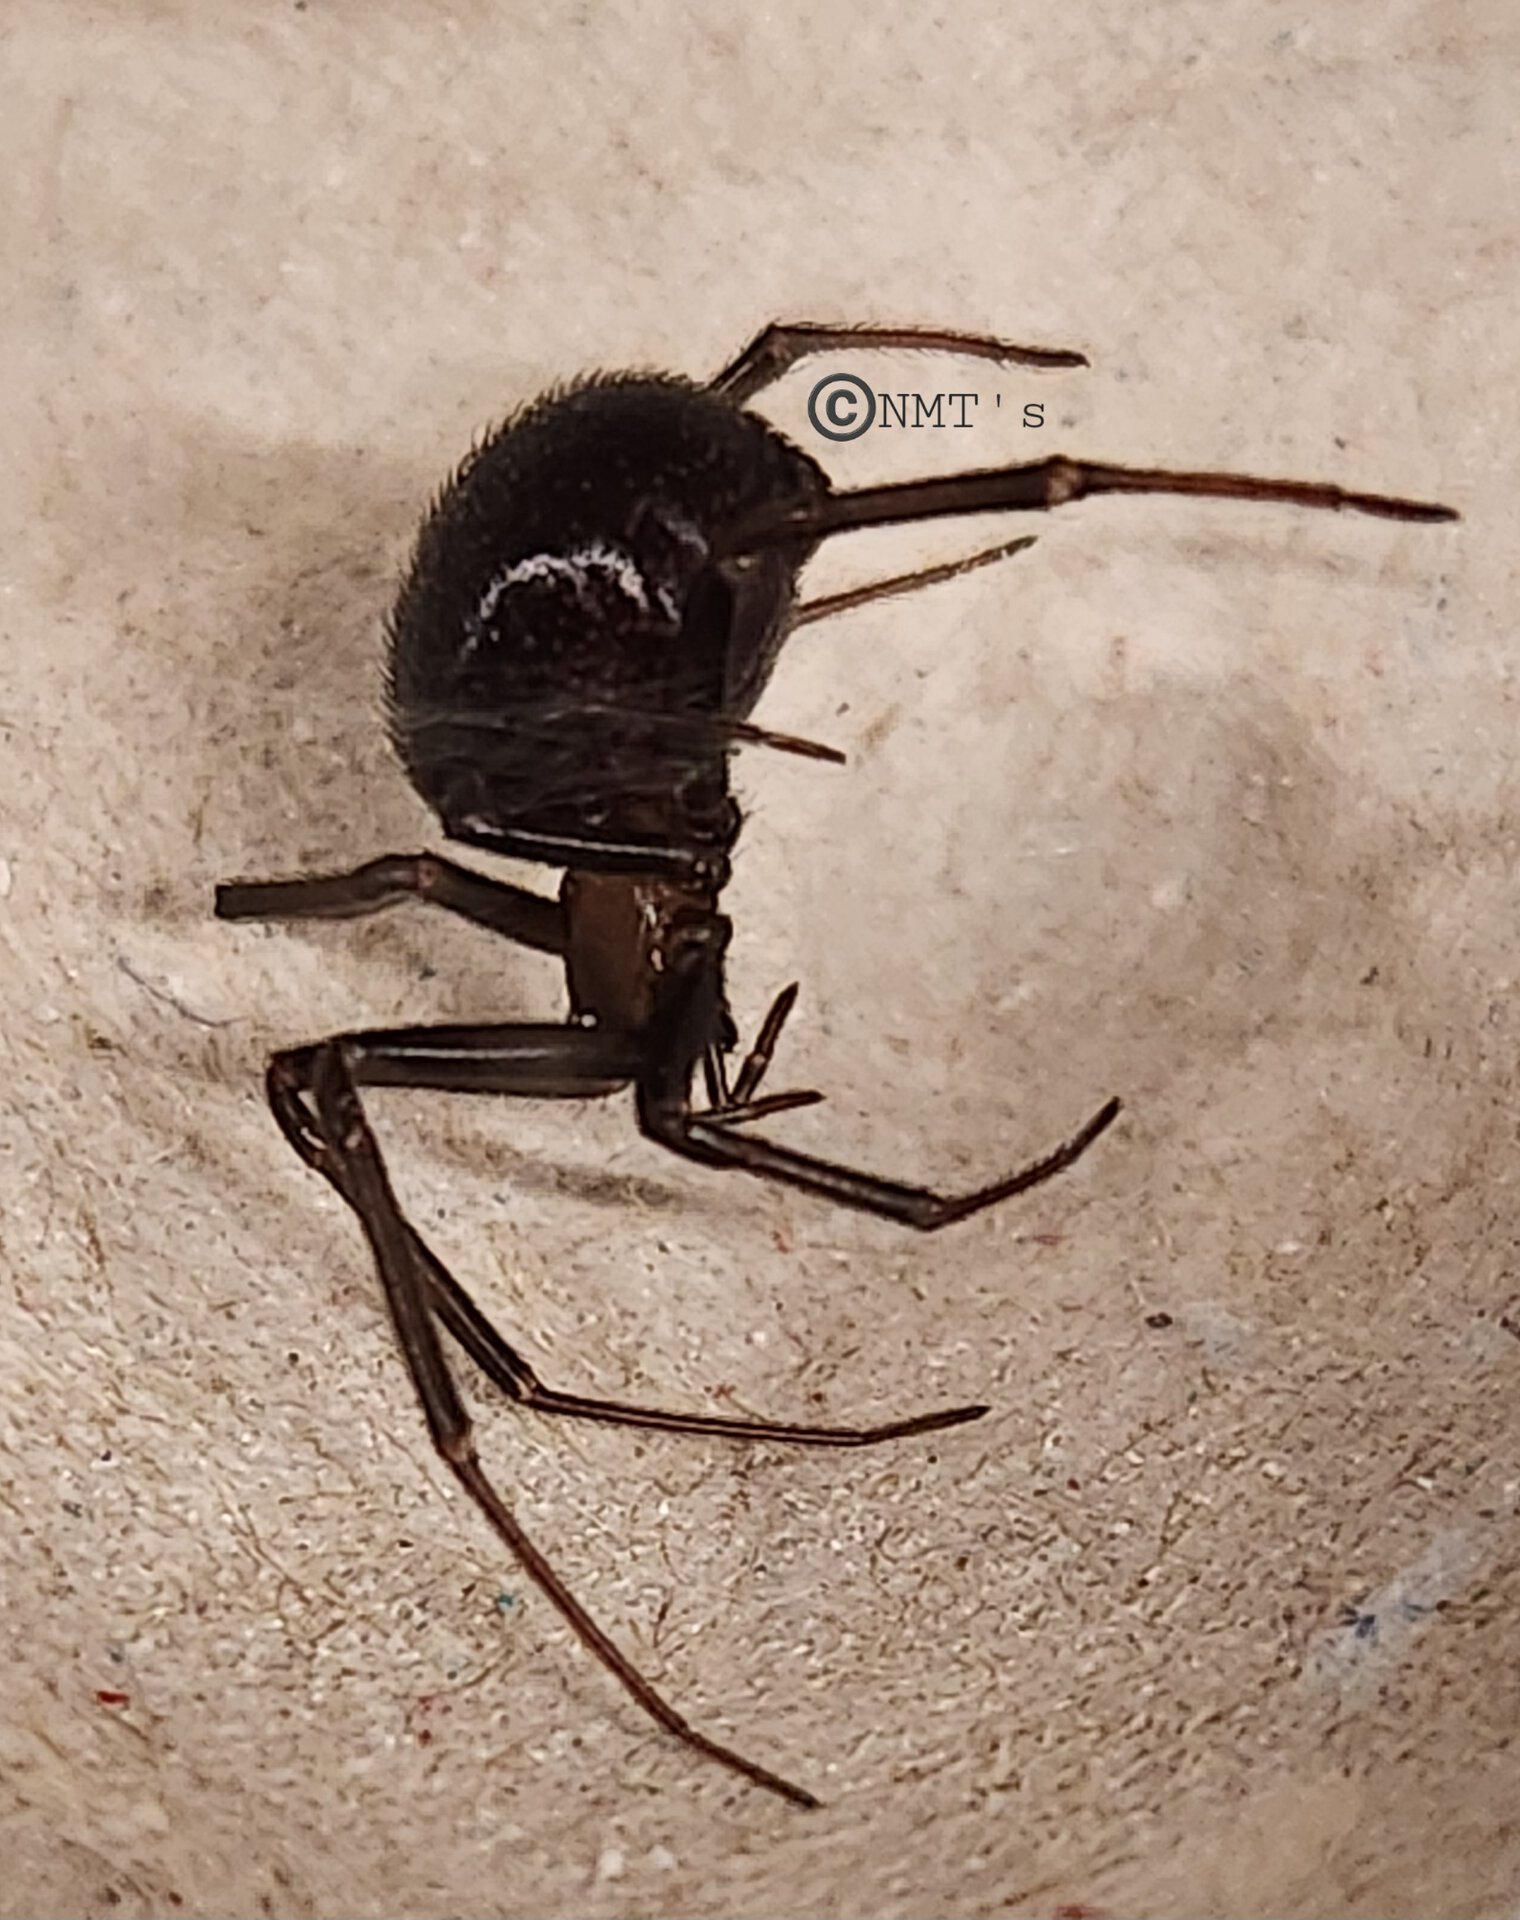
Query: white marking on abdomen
x=576, y=567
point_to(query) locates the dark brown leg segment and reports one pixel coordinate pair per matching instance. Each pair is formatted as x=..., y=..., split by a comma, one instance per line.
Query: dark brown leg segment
x=828, y=604
x=339, y=1135
x=777, y=348
x=314, y=1094
x=524, y=1061
x=1038, y=488
x=512, y=912
x=665, y=1114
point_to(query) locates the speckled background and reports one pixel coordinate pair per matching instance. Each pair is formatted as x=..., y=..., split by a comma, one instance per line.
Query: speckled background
x=1209, y=806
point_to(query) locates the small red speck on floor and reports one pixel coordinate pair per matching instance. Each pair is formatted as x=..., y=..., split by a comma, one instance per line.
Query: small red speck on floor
x=421, y=1708
x=1047, y=1239
x=107, y=1697
x=1078, y=1910
x=780, y=1240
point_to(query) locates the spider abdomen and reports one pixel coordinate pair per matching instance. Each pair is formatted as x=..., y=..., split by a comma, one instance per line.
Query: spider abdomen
x=552, y=650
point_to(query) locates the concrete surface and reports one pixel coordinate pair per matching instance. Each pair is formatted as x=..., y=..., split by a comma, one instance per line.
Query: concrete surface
x=1212, y=807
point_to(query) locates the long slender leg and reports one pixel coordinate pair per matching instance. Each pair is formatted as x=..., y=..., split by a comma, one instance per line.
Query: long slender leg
x=346, y=1139
x=696, y=1137
x=513, y=912
x=674, y=1046
x=778, y=347
x=828, y=604
x=510, y=1060
x=1037, y=488
x=506, y=1368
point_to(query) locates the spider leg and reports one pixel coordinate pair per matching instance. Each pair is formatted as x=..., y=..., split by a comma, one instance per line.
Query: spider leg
x=513, y=912
x=777, y=348
x=556, y=1062
x=666, y=1115
x=1038, y=487
x=337, y=1135
x=828, y=604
